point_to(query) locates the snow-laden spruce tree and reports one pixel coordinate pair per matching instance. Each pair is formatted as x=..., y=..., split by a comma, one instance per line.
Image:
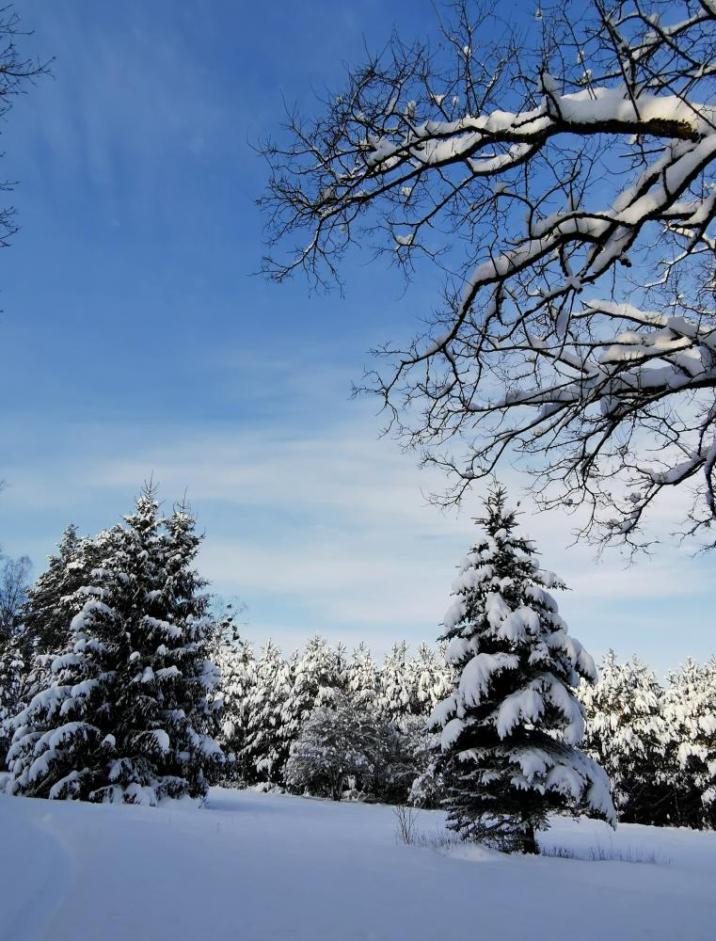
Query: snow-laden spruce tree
x=430, y=680
x=266, y=745
x=690, y=713
x=317, y=676
x=14, y=648
x=12, y=672
x=185, y=678
x=235, y=662
x=627, y=734
x=395, y=685
x=512, y=724
x=52, y=600
x=362, y=677
x=125, y=713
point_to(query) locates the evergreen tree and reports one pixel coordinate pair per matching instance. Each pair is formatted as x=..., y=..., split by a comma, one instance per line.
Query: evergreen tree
x=265, y=750
x=429, y=680
x=395, y=692
x=51, y=603
x=12, y=672
x=626, y=733
x=362, y=678
x=690, y=714
x=235, y=661
x=126, y=711
x=510, y=727
x=317, y=676
x=14, y=653
x=55, y=598
x=185, y=678
x=341, y=745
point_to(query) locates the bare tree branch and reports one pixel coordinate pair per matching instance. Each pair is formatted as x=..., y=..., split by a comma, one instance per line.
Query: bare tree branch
x=569, y=181
x=16, y=72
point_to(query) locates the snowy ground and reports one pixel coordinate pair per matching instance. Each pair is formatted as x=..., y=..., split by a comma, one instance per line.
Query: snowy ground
x=251, y=867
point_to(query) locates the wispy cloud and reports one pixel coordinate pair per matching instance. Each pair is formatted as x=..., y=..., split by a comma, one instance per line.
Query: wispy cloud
x=333, y=533
x=131, y=104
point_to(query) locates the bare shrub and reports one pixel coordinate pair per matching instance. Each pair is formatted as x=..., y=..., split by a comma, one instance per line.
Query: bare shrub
x=405, y=820
x=601, y=854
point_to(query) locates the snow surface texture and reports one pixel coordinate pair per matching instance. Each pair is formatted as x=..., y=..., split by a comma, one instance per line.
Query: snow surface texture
x=255, y=867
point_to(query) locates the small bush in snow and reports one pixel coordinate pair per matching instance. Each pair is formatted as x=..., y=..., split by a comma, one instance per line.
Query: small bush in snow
x=340, y=746
x=405, y=821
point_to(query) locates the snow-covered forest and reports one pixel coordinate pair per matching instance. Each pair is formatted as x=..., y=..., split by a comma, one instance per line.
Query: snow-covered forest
x=123, y=682
x=541, y=180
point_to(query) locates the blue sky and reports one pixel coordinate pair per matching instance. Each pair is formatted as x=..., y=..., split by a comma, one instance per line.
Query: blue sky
x=138, y=340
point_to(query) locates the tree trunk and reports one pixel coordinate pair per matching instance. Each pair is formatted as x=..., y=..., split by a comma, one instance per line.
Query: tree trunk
x=529, y=842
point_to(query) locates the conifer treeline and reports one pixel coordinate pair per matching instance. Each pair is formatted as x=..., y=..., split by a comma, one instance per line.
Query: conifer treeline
x=117, y=682
x=656, y=742
x=270, y=701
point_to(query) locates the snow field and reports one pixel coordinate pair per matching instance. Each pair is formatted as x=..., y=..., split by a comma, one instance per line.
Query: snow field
x=258, y=867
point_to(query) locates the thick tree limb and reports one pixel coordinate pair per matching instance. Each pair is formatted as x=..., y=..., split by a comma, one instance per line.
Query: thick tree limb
x=580, y=334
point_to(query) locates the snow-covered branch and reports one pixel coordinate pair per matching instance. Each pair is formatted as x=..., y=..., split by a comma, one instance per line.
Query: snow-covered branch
x=571, y=183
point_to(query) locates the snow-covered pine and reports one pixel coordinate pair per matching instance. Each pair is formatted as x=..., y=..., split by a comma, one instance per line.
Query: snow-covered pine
x=12, y=671
x=430, y=680
x=265, y=749
x=125, y=711
x=317, y=676
x=14, y=648
x=511, y=726
x=627, y=734
x=53, y=601
x=58, y=747
x=395, y=689
x=340, y=746
x=179, y=632
x=690, y=714
x=362, y=678
x=235, y=661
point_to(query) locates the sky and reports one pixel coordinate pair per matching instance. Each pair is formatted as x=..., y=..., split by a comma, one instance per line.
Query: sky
x=139, y=341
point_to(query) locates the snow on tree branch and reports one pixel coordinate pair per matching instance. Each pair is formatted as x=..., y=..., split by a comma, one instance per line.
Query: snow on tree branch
x=568, y=185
